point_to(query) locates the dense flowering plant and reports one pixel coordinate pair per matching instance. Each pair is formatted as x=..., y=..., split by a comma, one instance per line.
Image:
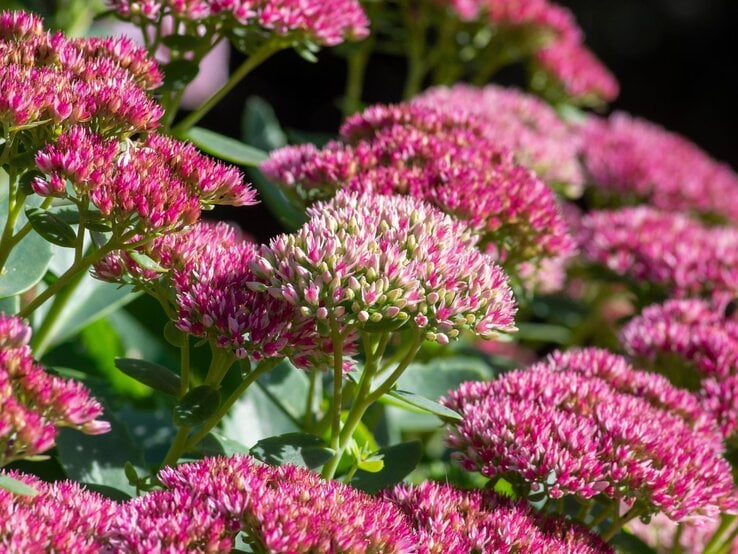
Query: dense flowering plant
x=373, y=379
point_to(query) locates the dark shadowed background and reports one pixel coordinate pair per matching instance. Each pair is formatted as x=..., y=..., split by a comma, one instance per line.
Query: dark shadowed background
x=676, y=61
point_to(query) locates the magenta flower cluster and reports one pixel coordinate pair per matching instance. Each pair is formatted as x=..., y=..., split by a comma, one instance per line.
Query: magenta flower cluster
x=633, y=158
x=99, y=82
x=696, y=344
x=33, y=403
x=124, y=180
x=521, y=123
x=443, y=157
x=381, y=262
x=586, y=423
x=327, y=22
x=667, y=249
x=452, y=521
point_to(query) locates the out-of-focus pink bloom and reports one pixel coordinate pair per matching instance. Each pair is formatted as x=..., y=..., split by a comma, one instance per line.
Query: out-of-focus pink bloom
x=380, y=262
x=661, y=533
x=155, y=184
x=696, y=331
x=667, y=249
x=102, y=82
x=326, y=22
x=452, y=521
x=444, y=158
x=631, y=157
x=34, y=403
x=586, y=423
x=521, y=123
x=62, y=517
x=283, y=509
x=579, y=73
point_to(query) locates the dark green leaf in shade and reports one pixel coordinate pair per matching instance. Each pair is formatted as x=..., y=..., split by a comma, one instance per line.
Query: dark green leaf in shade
x=301, y=449
x=52, y=227
x=399, y=460
x=224, y=147
x=152, y=374
x=196, y=406
x=178, y=74
x=16, y=487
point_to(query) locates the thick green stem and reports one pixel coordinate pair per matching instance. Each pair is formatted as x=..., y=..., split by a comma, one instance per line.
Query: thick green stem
x=336, y=405
x=356, y=64
x=43, y=336
x=179, y=446
x=309, y=418
x=617, y=525
x=263, y=367
x=184, y=366
x=15, y=206
x=251, y=63
x=365, y=397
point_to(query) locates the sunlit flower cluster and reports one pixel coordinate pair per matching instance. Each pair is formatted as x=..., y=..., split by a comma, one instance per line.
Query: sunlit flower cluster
x=33, y=403
x=669, y=250
x=444, y=158
x=634, y=159
x=451, y=521
x=153, y=184
x=100, y=82
x=325, y=22
x=585, y=424
x=381, y=262
x=62, y=517
x=521, y=123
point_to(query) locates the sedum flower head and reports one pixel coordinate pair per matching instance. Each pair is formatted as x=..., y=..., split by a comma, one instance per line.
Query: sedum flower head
x=382, y=262
x=291, y=509
x=443, y=158
x=50, y=82
x=695, y=331
x=666, y=249
x=63, y=517
x=326, y=22
x=34, y=403
x=522, y=123
x=156, y=184
x=631, y=157
x=585, y=423
x=452, y=521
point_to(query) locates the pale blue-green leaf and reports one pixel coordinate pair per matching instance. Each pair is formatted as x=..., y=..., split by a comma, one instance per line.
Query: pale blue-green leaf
x=224, y=147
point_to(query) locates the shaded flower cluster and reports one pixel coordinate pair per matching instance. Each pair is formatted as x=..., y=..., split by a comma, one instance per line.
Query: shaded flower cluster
x=34, y=403
x=280, y=509
x=153, y=184
x=382, y=262
x=521, y=123
x=696, y=345
x=451, y=521
x=631, y=157
x=100, y=82
x=62, y=517
x=586, y=423
x=666, y=249
x=203, y=276
x=326, y=22
x=443, y=158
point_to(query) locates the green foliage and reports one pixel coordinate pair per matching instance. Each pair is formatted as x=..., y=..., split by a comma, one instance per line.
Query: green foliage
x=301, y=449
x=225, y=148
x=15, y=486
x=196, y=406
x=151, y=374
x=399, y=460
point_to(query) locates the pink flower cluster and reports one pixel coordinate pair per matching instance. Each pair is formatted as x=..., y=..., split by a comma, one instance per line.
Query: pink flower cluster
x=443, y=158
x=521, y=123
x=155, y=183
x=280, y=509
x=696, y=345
x=327, y=22
x=381, y=262
x=62, y=517
x=666, y=249
x=451, y=521
x=34, y=403
x=586, y=423
x=101, y=82
x=631, y=157
x=665, y=536
x=205, y=271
